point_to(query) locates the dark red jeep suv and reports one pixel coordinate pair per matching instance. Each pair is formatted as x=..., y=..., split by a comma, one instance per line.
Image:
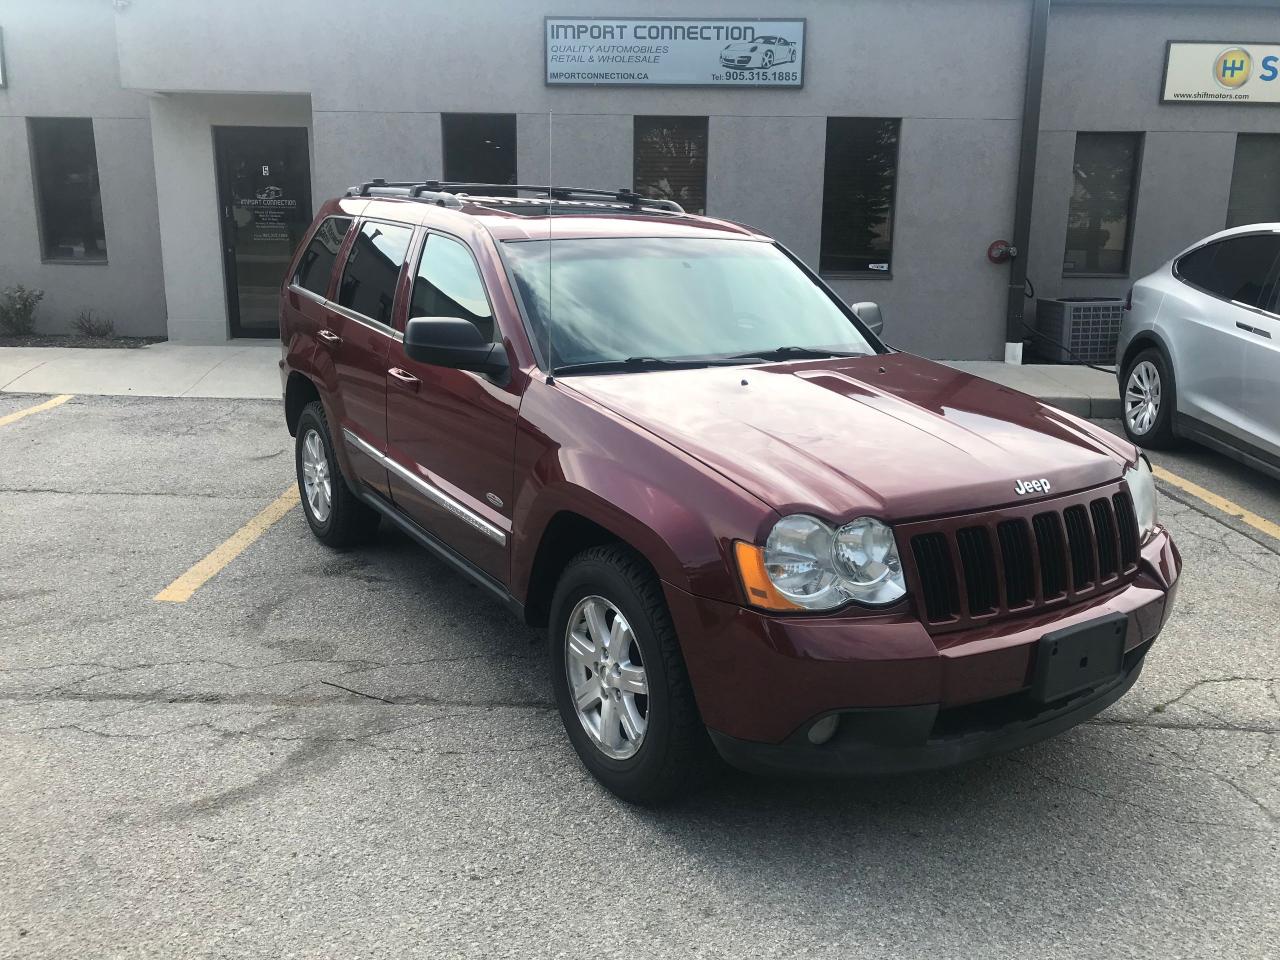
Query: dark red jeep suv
x=748, y=526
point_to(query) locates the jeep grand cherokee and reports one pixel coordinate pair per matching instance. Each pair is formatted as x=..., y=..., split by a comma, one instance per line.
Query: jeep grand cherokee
x=748, y=525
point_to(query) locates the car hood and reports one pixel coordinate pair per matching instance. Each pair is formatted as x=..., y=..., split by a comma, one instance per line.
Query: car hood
x=738, y=48
x=894, y=436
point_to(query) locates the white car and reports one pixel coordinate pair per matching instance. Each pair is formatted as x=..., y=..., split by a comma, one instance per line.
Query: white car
x=758, y=54
x=1199, y=348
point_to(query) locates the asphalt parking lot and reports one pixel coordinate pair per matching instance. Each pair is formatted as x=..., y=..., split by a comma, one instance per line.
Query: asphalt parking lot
x=346, y=755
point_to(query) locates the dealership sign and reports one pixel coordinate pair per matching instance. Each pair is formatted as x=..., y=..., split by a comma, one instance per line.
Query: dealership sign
x=674, y=52
x=1222, y=73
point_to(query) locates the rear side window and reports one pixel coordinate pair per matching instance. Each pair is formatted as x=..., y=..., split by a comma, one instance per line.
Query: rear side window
x=449, y=285
x=369, y=279
x=1237, y=268
x=316, y=264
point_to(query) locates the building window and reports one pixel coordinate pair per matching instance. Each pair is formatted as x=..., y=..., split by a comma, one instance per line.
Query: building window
x=64, y=166
x=1100, y=220
x=479, y=147
x=1255, y=184
x=670, y=160
x=858, y=187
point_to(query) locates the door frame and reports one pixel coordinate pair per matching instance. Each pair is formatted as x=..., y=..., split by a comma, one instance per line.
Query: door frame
x=221, y=176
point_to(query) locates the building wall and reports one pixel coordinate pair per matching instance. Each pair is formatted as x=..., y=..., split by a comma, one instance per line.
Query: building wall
x=128, y=287
x=1103, y=70
x=186, y=188
x=373, y=97
x=377, y=107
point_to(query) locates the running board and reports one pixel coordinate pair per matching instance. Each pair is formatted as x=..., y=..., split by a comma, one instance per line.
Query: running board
x=442, y=550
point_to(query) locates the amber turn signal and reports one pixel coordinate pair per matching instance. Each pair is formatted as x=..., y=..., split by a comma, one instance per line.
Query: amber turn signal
x=755, y=579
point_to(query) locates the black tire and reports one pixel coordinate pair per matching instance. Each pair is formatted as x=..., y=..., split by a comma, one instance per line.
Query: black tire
x=350, y=521
x=674, y=756
x=1159, y=435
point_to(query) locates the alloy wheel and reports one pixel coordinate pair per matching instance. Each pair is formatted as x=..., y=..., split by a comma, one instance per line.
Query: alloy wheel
x=315, y=476
x=606, y=677
x=1142, y=397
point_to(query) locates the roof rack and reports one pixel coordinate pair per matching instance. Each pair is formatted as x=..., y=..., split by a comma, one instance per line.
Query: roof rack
x=450, y=193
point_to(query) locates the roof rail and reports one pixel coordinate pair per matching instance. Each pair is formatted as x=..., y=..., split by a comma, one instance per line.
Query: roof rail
x=406, y=189
x=449, y=193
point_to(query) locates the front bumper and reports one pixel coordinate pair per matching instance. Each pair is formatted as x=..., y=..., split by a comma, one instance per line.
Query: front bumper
x=907, y=699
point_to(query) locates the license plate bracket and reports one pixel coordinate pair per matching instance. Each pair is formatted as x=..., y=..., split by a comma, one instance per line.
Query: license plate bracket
x=1078, y=657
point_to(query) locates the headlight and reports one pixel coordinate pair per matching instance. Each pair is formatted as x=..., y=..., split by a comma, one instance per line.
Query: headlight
x=1142, y=488
x=806, y=565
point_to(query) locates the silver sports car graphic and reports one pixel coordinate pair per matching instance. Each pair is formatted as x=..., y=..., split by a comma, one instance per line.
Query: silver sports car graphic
x=758, y=54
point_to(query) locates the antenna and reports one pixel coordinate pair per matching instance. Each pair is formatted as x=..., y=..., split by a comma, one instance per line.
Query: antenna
x=551, y=356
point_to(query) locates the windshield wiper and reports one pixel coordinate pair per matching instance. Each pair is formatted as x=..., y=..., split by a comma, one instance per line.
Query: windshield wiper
x=787, y=353
x=651, y=363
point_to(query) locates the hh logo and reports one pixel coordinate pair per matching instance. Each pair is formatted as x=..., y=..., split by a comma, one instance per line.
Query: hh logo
x=1023, y=487
x=1232, y=68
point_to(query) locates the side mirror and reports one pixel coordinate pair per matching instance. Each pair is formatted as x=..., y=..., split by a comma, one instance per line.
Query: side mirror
x=869, y=313
x=453, y=342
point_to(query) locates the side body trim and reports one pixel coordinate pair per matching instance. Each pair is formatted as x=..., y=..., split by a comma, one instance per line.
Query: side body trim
x=428, y=490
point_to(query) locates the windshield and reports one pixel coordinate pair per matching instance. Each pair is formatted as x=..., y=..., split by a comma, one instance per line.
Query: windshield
x=619, y=298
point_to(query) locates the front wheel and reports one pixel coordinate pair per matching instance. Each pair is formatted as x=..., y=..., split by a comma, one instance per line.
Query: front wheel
x=1148, y=400
x=620, y=681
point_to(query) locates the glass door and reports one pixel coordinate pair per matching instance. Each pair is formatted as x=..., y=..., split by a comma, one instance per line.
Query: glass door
x=264, y=196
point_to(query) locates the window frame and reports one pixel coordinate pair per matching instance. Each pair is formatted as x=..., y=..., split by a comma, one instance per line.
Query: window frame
x=1275, y=267
x=349, y=244
x=1131, y=208
x=893, y=204
x=32, y=122
x=636, y=120
x=416, y=250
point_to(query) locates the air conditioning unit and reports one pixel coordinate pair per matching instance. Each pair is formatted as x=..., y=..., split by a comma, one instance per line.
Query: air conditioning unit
x=1087, y=326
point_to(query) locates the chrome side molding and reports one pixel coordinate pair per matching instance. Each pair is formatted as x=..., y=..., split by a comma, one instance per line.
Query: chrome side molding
x=428, y=490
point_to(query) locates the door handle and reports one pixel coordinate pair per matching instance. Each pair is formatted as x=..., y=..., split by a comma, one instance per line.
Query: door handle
x=1257, y=331
x=407, y=379
x=329, y=337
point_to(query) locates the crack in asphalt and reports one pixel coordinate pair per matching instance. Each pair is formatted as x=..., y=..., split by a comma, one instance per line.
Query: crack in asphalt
x=137, y=493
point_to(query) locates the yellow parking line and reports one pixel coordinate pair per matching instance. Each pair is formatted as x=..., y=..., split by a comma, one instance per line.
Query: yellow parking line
x=49, y=404
x=180, y=590
x=1230, y=507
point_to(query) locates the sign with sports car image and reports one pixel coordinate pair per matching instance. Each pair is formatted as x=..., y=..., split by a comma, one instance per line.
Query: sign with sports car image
x=667, y=52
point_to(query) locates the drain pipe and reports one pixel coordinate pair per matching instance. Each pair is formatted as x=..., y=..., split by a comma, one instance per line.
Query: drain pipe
x=1026, y=181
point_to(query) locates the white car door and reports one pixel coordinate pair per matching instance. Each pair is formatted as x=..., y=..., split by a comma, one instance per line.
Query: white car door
x=1221, y=285
x=1261, y=400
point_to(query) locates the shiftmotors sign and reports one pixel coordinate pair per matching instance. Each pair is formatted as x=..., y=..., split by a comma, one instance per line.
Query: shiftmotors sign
x=1222, y=73
x=674, y=52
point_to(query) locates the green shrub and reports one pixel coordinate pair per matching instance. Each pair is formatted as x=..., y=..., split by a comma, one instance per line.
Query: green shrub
x=97, y=327
x=18, y=309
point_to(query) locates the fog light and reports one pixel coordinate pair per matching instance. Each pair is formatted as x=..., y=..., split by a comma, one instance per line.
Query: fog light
x=824, y=729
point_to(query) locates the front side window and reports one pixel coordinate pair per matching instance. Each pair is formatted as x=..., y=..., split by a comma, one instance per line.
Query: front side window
x=1100, y=218
x=591, y=300
x=373, y=266
x=670, y=161
x=479, y=147
x=448, y=284
x=316, y=263
x=64, y=163
x=1255, y=182
x=1238, y=268
x=858, y=187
